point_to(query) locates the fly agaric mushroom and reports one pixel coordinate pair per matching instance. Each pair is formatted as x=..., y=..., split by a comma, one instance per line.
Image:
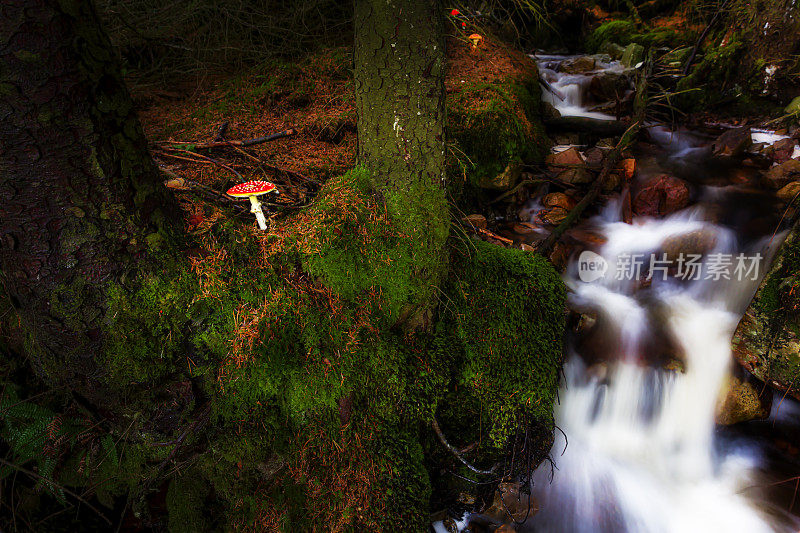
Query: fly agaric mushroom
x=476, y=40
x=252, y=190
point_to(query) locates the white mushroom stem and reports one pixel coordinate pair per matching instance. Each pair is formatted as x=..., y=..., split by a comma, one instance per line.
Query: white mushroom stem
x=255, y=207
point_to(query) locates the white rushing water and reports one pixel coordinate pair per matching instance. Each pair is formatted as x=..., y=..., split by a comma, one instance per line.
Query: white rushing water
x=642, y=455
x=572, y=87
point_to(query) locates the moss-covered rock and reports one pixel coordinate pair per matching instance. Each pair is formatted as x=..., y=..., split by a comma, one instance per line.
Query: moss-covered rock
x=767, y=339
x=494, y=118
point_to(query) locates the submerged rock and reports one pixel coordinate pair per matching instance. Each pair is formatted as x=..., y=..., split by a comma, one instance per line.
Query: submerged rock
x=661, y=195
x=698, y=242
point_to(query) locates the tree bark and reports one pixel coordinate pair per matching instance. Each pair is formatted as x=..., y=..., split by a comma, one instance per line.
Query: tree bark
x=80, y=199
x=400, y=100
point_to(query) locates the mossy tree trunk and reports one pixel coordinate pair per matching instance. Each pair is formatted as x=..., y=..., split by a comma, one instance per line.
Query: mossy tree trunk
x=80, y=199
x=399, y=81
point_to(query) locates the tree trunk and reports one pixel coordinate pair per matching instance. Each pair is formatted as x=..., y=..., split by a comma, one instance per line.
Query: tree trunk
x=399, y=81
x=80, y=198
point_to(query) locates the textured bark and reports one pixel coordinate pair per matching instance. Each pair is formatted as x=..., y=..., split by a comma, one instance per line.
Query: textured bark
x=399, y=80
x=80, y=199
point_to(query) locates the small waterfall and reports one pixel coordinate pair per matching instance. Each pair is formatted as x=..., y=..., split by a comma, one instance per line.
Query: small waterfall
x=640, y=456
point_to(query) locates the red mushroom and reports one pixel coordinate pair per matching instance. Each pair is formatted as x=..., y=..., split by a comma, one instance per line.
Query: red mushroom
x=252, y=190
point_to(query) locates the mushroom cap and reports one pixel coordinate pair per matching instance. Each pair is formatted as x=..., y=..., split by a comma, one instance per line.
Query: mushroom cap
x=250, y=188
x=455, y=13
x=475, y=37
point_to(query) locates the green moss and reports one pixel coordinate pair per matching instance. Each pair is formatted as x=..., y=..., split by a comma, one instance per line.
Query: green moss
x=493, y=124
x=505, y=317
x=186, y=503
x=624, y=32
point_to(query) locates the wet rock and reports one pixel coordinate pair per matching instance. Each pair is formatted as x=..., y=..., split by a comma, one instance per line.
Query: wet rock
x=767, y=339
x=789, y=192
x=698, y=242
x=575, y=176
x=594, y=157
x=578, y=65
x=608, y=86
x=511, y=503
x=506, y=179
x=585, y=236
x=741, y=401
x=613, y=50
x=782, y=150
x=661, y=195
x=781, y=175
x=549, y=111
x=554, y=215
x=732, y=143
x=566, y=158
x=525, y=228
x=558, y=199
x=478, y=221
x=450, y=525
x=633, y=55
x=475, y=527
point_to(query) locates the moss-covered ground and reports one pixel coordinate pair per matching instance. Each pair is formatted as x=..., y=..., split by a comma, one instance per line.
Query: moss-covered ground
x=291, y=395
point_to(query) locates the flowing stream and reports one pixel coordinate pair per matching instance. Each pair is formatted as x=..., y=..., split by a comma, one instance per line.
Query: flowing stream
x=643, y=451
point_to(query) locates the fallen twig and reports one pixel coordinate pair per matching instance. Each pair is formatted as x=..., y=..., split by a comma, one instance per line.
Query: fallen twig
x=454, y=451
x=220, y=144
x=486, y=232
x=552, y=90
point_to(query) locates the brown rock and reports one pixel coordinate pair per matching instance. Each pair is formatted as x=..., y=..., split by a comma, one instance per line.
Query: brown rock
x=478, y=221
x=789, y=192
x=661, y=195
x=575, y=176
x=558, y=199
x=524, y=228
x=699, y=242
x=594, y=157
x=732, y=143
x=608, y=86
x=577, y=65
x=509, y=500
x=740, y=401
x=554, y=215
x=566, y=158
x=781, y=175
x=526, y=247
